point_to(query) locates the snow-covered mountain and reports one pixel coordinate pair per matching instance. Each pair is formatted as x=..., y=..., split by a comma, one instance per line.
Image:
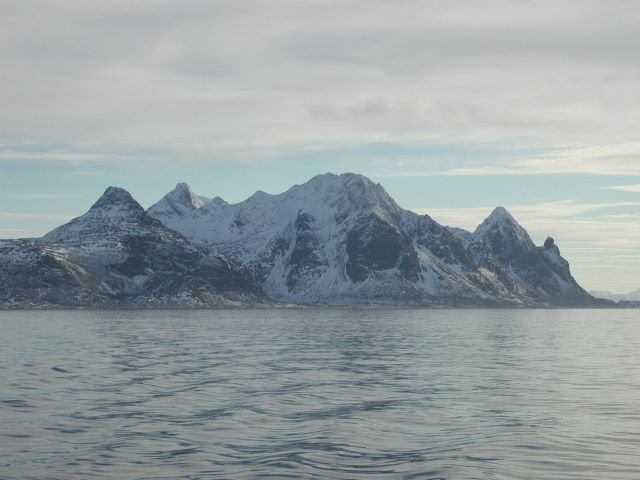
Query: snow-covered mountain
x=116, y=255
x=341, y=239
x=335, y=240
x=180, y=201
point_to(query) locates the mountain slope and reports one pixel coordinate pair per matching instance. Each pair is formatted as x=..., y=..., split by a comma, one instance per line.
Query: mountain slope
x=292, y=242
x=501, y=244
x=341, y=239
x=180, y=201
x=116, y=255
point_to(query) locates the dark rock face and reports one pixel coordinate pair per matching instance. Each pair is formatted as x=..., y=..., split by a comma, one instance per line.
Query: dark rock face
x=410, y=266
x=502, y=238
x=117, y=256
x=538, y=273
x=264, y=264
x=34, y=275
x=439, y=241
x=374, y=245
x=304, y=259
x=305, y=242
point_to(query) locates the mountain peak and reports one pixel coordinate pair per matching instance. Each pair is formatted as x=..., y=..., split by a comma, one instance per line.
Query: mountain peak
x=179, y=201
x=349, y=192
x=218, y=201
x=114, y=212
x=343, y=178
x=501, y=229
x=183, y=194
x=116, y=197
x=500, y=214
x=182, y=186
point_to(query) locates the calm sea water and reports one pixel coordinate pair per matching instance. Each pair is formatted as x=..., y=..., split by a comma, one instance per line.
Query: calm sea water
x=414, y=394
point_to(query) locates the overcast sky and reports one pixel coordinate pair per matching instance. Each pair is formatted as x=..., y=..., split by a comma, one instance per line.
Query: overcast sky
x=454, y=106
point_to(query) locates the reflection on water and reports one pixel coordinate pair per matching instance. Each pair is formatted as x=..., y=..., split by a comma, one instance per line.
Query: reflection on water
x=451, y=394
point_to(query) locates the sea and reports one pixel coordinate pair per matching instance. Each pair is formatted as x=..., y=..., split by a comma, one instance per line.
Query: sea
x=320, y=394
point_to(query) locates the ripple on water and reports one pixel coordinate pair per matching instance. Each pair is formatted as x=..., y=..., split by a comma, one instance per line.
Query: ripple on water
x=331, y=394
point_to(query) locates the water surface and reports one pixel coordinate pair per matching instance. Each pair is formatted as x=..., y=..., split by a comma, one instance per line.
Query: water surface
x=371, y=394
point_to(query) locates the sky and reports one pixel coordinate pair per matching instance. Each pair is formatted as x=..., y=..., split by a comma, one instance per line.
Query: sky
x=455, y=107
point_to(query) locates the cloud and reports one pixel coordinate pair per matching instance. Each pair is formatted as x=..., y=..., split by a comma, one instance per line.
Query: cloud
x=625, y=188
x=233, y=80
x=470, y=217
x=34, y=216
x=85, y=173
x=54, y=156
x=616, y=159
x=41, y=196
x=9, y=233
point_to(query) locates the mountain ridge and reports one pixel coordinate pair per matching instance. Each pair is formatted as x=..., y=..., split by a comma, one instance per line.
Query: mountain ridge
x=117, y=256
x=333, y=240
x=342, y=239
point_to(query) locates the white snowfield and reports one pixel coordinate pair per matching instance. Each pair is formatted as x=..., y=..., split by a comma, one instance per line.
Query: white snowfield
x=341, y=239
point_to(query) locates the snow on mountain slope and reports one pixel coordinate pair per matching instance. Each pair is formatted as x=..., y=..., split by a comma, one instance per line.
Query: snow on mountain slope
x=180, y=201
x=341, y=239
x=113, y=215
x=116, y=255
x=37, y=275
x=292, y=242
x=501, y=244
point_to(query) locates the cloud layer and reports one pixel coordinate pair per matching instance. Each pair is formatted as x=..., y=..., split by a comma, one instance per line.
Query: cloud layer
x=231, y=79
x=619, y=159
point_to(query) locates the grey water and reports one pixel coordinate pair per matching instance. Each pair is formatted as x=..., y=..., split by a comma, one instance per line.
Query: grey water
x=335, y=394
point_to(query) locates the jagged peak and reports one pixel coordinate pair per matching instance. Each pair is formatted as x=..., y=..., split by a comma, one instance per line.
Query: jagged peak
x=180, y=200
x=184, y=194
x=115, y=208
x=499, y=216
x=116, y=197
x=500, y=220
x=182, y=187
x=550, y=245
